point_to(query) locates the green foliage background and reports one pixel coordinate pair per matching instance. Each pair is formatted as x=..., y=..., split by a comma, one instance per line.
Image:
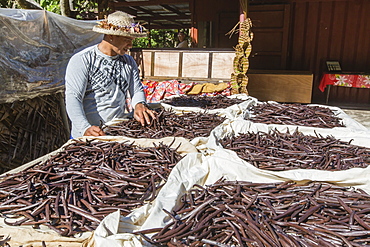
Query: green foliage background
x=158, y=38
x=50, y=5
x=6, y=4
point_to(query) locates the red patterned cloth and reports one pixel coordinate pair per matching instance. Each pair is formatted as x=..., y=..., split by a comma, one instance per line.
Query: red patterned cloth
x=345, y=80
x=156, y=91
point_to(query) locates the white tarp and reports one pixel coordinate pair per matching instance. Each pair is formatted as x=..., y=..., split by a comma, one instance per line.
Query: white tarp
x=116, y=230
x=214, y=162
x=349, y=123
x=27, y=236
x=233, y=127
x=204, y=163
x=229, y=112
x=243, y=110
x=35, y=48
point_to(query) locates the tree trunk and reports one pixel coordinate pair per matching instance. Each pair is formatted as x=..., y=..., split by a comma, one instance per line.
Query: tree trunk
x=65, y=8
x=28, y=4
x=103, y=6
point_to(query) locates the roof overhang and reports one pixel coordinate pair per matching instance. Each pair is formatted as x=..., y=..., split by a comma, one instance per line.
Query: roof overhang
x=157, y=14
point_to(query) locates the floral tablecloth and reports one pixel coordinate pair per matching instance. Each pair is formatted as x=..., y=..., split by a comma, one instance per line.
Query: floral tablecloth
x=345, y=80
x=158, y=90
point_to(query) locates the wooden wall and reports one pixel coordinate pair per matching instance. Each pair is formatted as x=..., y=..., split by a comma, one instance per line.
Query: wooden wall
x=321, y=30
x=332, y=30
x=187, y=64
x=213, y=19
x=215, y=65
x=270, y=27
x=298, y=35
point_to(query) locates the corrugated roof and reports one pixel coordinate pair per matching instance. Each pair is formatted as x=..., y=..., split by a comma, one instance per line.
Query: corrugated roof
x=156, y=14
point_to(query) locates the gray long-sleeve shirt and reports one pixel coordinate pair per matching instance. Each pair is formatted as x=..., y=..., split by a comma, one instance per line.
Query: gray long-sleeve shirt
x=97, y=86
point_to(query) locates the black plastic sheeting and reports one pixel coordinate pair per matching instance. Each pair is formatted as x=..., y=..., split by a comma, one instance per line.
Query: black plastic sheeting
x=35, y=47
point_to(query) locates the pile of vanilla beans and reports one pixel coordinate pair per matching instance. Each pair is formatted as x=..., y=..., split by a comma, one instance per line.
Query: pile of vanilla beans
x=168, y=123
x=204, y=102
x=72, y=191
x=278, y=151
x=294, y=114
x=231, y=213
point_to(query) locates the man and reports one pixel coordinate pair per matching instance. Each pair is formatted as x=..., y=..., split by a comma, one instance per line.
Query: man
x=100, y=78
x=183, y=43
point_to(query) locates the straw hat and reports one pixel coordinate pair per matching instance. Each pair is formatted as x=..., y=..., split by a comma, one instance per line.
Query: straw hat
x=121, y=24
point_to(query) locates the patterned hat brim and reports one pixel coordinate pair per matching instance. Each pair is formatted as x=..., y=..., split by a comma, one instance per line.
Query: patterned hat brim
x=118, y=32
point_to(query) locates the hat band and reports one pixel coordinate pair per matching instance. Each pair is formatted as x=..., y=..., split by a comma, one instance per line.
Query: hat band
x=134, y=28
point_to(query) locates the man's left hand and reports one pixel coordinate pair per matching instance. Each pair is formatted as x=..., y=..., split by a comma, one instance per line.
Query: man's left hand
x=143, y=114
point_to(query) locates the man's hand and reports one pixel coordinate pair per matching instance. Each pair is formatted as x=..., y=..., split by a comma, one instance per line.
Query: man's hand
x=94, y=131
x=143, y=114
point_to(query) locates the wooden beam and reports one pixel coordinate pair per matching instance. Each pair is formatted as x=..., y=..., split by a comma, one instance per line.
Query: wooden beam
x=157, y=17
x=168, y=26
x=174, y=10
x=148, y=3
x=160, y=17
x=178, y=19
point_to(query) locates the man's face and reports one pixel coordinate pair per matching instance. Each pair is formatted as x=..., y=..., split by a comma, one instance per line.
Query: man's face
x=181, y=36
x=121, y=44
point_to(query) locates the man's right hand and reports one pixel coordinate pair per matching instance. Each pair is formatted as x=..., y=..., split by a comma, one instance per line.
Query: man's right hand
x=94, y=131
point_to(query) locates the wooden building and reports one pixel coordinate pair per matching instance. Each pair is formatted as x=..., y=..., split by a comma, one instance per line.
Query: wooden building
x=289, y=35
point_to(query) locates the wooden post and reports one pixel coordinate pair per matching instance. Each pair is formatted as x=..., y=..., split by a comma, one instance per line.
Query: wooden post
x=103, y=6
x=149, y=35
x=194, y=27
x=194, y=37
